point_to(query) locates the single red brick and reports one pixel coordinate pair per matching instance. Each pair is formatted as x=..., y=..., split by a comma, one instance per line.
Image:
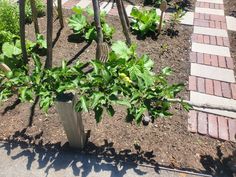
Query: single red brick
x=226, y=91
x=226, y=41
x=207, y=5
x=214, y=60
x=202, y=16
x=233, y=90
x=201, y=85
x=200, y=58
x=212, y=6
x=213, y=125
x=221, y=6
x=229, y=63
x=192, y=121
x=223, y=25
x=196, y=15
x=213, y=40
x=222, y=62
x=207, y=17
x=200, y=38
x=206, y=39
x=193, y=57
x=212, y=24
x=217, y=6
x=194, y=37
x=192, y=83
x=223, y=128
x=202, y=123
x=207, y=59
x=201, y=23
x=209, y=86
x=219, y=40
x=232, y=129
x=217, y=88
x=202, y=4
x=218, y=25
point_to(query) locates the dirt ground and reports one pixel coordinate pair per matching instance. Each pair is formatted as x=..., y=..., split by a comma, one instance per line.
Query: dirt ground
x=165, y=142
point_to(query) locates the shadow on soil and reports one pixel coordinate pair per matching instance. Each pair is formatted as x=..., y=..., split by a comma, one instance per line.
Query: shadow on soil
x=96, y=158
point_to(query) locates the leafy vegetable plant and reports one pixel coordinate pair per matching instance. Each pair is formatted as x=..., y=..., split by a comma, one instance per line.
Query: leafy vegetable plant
x=144, y=21
x=40, y=7
x=9, y=17
x=125, y=79
x=82, y=26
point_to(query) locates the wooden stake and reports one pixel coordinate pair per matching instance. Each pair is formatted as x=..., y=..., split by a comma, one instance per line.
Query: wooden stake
x=97, y=21
x=71, y=120
x=34, y=16
x=123, y=21
x=22, y=30
x=60, y=13
x=163, y=8
x=49, y=33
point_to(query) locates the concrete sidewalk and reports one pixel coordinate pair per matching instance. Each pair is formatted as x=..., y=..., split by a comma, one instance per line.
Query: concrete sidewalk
x=19, y=160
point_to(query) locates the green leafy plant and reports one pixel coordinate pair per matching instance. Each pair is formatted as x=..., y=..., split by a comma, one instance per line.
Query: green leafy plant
x=83, y=27
x=174, y=20
x=144, y=21
x=9, y=17
x=11, y=54
x=40, y=7
x=125, y=79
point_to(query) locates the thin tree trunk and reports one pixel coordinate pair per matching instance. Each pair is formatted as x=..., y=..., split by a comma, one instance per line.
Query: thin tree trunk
x=123, y=21
x=22, y=30
x=60, y=13
x=98, y=27
x=125, y=14
x=49, y=33
x=34, y=16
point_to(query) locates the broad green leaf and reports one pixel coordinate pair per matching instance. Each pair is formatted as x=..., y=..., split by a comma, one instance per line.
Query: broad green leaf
x=96, y=99
x=98, y=113
x=167, y=71
x=83, y=102
x=124, y=102
x=110, y=110
x=10, y=50
x=121, y=49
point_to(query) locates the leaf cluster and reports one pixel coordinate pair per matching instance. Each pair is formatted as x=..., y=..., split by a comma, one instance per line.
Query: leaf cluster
x=144, y=21
x=81, y=25
x=40, y=7
x=125, y=79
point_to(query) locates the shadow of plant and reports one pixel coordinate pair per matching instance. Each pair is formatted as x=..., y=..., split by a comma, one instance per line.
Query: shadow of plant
x=57, y=156
x=219, y=166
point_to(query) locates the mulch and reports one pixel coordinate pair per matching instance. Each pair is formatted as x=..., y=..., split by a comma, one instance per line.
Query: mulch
x=165, y=142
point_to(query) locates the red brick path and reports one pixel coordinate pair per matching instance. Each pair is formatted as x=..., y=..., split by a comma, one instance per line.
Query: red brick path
x=201, y=122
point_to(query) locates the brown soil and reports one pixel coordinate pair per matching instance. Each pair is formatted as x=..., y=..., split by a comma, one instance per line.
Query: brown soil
x=230, y=7
x=164, y=142
x=187, y=5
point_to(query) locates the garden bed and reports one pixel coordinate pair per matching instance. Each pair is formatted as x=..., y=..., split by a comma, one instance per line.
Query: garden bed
x=166, y=141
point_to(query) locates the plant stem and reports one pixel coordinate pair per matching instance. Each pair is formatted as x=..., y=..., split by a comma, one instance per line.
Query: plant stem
x=205, y=106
